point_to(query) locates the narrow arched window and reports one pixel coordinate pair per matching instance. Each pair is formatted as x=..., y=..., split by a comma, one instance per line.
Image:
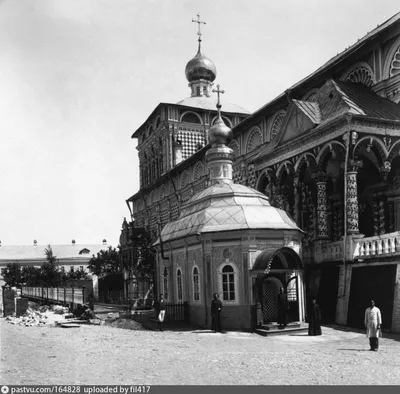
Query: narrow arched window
x=196, y=284
x=228, y=283
x=165, y=284
x=179, y=285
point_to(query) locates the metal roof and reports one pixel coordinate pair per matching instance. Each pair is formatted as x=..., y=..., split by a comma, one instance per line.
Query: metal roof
x=227, y=207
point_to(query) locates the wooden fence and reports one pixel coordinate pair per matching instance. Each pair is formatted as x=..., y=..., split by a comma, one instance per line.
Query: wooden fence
x=60, y=295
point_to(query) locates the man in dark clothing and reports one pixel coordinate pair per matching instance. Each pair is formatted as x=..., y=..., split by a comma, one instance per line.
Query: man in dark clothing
x=314, y=319
x=282, y=308
x=159, y=306
x=216, y=308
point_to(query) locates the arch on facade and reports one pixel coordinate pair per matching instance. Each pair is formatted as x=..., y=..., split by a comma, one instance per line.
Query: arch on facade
x=185, y=178
x=394, y=151
x=392, y=62
x=284, y=168
x=360, y=72
x=309, y=96
x=371, y=144
x=306, y=158
x=254, y=140
x=286, y=257
x=157, y=122
x=226, y=120
x=330, y=148
x=198, y=171
x=276, y=124
x=234, y=145
x=191, y=117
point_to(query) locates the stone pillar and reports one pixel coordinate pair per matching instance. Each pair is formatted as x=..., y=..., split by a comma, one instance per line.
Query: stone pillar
x=352, y=198
x=343, y=294
x=322, y=214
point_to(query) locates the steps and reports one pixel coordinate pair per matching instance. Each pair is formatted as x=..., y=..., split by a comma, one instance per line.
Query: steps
x=274, y=329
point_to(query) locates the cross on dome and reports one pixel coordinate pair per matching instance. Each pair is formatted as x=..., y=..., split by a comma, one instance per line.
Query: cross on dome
x=218, y=91
x=199, y=22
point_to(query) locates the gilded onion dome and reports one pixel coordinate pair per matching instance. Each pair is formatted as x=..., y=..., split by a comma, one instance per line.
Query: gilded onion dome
x=200, y=67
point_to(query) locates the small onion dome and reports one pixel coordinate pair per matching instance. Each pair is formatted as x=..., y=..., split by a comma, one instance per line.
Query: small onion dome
x=200, y=67
x=219, y=133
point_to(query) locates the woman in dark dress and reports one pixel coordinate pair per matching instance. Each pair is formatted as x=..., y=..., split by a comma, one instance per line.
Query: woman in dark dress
x=216, y=308
x=314, y=320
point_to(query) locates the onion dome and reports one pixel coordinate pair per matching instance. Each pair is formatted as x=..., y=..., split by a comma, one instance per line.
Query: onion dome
x=200, y=67
x=219, y=133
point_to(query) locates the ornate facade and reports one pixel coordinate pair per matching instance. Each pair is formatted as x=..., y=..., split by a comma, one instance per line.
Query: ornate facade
x=326, y=151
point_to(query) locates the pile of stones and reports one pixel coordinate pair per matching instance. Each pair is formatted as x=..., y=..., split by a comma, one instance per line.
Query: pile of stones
x=37, y=315
x=31, y=318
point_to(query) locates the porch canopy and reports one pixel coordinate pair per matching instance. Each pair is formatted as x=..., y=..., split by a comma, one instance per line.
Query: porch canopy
x=281, y=258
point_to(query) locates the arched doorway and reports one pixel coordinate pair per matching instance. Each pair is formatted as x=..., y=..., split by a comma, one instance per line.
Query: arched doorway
x=270, y=291
x=276, y=269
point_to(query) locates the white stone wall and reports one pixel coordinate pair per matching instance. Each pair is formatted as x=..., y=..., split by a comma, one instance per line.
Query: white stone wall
x=343, y=294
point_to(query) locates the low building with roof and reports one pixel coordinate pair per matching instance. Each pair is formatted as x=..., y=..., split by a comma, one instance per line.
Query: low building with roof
x=70, y=257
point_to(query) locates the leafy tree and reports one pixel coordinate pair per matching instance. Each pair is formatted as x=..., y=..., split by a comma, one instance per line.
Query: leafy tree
x=106, y=261
x=31, y=276
x=13, y=274
x=50, y=273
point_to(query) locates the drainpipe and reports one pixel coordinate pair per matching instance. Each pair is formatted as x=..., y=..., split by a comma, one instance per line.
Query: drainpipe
x=158, y=273
x=345, y=207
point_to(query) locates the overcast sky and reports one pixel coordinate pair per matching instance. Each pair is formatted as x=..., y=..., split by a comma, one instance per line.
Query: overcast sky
x=77, y=77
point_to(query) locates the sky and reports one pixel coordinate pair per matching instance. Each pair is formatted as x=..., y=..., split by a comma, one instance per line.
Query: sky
x=78, y=77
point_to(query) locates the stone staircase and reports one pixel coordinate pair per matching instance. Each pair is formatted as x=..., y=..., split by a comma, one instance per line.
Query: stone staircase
x=274, y=329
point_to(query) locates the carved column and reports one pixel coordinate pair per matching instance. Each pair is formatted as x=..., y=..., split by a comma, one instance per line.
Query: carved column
x=382, y=223
x=322, y=214
x=296, y=191
x=375, y=216
x=352, y=198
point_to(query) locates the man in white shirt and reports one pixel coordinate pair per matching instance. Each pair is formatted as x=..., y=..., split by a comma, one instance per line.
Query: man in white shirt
x=373, y=321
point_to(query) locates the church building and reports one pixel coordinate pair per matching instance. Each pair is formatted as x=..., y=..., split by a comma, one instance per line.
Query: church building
x=322, y=159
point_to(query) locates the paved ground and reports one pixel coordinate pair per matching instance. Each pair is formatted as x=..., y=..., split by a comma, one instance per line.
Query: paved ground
x=108, y=355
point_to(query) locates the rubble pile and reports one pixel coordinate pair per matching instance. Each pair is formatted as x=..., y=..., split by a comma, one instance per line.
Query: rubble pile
x=58, y=309
x=30, y=318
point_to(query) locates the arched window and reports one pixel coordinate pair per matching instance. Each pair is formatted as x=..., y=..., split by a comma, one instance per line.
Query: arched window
x=196, y=284
x=179, y=284
x=228, y=283
x=165, y=283
x=190, y=117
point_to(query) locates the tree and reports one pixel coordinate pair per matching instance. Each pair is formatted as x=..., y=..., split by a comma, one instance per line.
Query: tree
x=106, y=261
x=13, y=275
x=30, y=275
x=50, y=274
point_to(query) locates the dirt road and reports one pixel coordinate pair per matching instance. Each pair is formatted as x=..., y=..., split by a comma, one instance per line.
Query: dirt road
x=107, y=355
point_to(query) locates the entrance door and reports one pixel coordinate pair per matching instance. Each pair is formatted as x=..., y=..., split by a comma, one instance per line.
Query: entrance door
x=270, y=290
x=371, y=283
x=293, y=299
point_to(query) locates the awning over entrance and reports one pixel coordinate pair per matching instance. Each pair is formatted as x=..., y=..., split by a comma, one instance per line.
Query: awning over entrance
x=282, y=258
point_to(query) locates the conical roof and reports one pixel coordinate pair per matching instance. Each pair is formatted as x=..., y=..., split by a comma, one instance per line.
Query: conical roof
x=227, y=207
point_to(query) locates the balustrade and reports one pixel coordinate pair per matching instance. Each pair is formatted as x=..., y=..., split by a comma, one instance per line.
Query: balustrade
x=377, y=245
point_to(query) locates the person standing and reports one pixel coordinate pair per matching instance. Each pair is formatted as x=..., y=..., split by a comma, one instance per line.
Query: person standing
x=282, y=308
x=216, y=308
x=314, y=320
x=373, y=321
x=159, y=306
